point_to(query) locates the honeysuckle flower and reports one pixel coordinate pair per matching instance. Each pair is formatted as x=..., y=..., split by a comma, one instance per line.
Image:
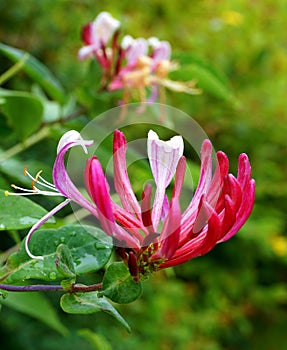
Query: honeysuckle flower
x=220, y=206
x=134, y=49
x=137, y=66
x=152, y=236
x=97, y=34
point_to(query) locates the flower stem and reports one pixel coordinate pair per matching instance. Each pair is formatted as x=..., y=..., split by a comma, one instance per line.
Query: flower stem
x=47, y=288
x=13, y=70
x=40, y=135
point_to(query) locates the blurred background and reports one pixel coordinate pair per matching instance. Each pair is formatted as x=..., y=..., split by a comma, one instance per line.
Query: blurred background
x=236, y=296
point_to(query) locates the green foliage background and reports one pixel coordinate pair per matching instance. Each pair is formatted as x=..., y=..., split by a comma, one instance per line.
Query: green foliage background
x=235, y=297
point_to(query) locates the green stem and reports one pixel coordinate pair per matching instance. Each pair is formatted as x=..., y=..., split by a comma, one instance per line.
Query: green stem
x=15, y=236
x=5, y=255
x=40, y=135
x=13, y=70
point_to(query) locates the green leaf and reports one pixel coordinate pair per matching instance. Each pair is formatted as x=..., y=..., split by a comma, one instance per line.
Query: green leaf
x=64, y=261
x=97, y=340
x=13, y=169
x=23, y=110
x=37, y=306
x=88, y=303
x=36, y=71
x=208, y=79
x=118, y=284
x=18, y=213
x=90, y=249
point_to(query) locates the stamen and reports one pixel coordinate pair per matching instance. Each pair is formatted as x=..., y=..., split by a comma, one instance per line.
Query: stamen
x=35, y=190
x=38, y=174
x=43, y=182
x=47, y=182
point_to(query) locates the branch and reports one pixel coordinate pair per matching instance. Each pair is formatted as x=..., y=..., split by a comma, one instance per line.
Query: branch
x=47, y=288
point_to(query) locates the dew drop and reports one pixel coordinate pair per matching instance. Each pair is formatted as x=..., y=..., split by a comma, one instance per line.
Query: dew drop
x=52, y=275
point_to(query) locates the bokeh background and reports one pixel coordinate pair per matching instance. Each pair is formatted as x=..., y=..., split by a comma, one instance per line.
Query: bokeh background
x=236, y=296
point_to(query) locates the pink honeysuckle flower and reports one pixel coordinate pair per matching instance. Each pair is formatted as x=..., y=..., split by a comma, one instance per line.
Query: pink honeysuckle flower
x=152, y=237
x=220, y=206
x=134, y=49
x=97, y=34
x=161, y=50
x=63, y=186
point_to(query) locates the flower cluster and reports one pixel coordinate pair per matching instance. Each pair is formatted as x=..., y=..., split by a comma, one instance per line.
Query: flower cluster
x=152, y=236
x=132, y=65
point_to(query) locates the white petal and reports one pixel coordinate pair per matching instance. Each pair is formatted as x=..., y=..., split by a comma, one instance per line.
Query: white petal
x=73, y=136
x=105, y=26
x=164, y=157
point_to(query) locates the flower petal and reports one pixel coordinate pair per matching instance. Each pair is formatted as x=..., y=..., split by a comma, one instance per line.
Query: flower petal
x=61, y=178
x=248, y=197
x=97, y=186
x=169, y=237
x=202, y=243
x=163, y=157
x=39, y=224
x=104, y=27
x=121, y=179
x=203, y=185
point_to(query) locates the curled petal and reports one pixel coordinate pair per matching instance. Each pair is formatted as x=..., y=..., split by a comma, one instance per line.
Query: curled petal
x=61, y=178
x=221, y=171
x=235, y=191
x=121, y=179
x=202, y=243
x=205, y=179
x=247, y=185
x=244, y=169
x=244, y=211
x=39, y=224
x=74, y=137
x=97, y=186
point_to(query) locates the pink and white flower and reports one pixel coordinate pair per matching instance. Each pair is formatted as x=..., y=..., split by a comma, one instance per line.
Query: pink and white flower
x=97, y=34
x=152, y=236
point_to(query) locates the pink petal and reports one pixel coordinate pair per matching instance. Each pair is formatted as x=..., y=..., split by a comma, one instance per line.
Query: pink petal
x=146, y=208
x=201, y=244
x=203, y=185
x=87, y=34
x=121, y=179
x=39, y=224
x=97, y=186
x=169, y=237
x=62, y=180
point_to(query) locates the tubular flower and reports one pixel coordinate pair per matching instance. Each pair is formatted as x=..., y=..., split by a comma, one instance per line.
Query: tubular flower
x=132, y=65
x=166, y=236
x=152, y=235
x=97, y=34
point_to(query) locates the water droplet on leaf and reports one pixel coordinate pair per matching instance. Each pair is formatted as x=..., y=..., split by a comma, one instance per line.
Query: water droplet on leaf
x=52, y=275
